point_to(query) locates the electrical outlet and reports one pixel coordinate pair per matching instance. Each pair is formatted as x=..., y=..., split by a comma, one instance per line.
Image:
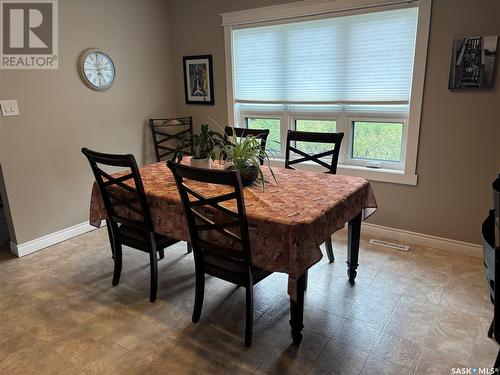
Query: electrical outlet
x=9, y=108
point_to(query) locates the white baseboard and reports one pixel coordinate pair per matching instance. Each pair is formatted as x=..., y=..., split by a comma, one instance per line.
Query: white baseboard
x=419, y=239
x=407, y=237
x=50, y=239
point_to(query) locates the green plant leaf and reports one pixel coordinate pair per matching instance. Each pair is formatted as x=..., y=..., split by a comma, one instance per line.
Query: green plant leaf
x=245, y=152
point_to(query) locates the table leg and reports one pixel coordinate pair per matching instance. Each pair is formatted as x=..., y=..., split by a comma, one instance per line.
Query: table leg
x=297, y=310
x=353, y=235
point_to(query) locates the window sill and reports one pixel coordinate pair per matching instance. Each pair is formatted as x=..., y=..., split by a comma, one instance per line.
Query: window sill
x=381, y=174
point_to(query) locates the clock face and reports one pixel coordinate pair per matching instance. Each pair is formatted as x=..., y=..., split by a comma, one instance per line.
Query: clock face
x=97, y=69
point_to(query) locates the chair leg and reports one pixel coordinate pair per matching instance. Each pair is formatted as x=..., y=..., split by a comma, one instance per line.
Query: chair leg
x=249, y=316
x=162, y=253
x=189, y=247
x=153, y=263
x=329, y=250
x=117, y=271
x=199, y=294
x=110, y=235
x=490, y=330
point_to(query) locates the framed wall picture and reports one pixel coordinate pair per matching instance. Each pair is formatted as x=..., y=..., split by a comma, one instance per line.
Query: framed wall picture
x=473, y=63
x=198, y=79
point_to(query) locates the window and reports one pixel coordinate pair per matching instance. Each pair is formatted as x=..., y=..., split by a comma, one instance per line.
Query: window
x=358, y=58
x=311, y=125
x=355, y=71
x=274, y=126
x=315, y=125
x=379, y=141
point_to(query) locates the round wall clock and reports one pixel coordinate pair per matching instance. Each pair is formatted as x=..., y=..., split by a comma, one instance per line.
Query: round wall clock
x=96, y=69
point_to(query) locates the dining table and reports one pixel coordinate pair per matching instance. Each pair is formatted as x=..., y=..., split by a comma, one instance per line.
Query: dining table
x=289, y=218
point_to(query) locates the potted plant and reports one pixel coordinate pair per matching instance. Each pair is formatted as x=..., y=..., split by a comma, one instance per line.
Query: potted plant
x=244, y=155
x=204, y=147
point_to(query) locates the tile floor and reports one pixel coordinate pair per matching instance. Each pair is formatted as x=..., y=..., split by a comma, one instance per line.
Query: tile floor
x=421, y=312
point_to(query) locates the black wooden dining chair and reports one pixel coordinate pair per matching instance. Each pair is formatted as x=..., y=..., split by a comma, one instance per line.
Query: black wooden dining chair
x=209, y=216
x=125, y=195
x=491, y=261
x=261, y=134
x=335, y=139
x=168, y=133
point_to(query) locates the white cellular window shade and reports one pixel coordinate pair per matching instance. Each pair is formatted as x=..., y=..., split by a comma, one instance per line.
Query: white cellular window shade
x=361, y=58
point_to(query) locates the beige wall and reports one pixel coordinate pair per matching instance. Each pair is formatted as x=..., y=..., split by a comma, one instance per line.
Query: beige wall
x=48, y=181
x=203, y=36
x=459, y=152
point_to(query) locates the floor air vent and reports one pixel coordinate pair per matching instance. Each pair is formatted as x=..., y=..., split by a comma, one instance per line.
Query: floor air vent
x=391, y=245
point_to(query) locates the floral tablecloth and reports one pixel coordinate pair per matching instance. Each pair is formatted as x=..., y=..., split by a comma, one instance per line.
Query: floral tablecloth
x=287, y=222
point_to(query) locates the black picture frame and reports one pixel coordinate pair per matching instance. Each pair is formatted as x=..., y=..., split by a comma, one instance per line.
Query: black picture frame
x=473, y=63
x=198, y=79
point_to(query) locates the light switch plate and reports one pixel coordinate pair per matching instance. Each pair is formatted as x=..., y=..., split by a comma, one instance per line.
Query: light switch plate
x=9, y=108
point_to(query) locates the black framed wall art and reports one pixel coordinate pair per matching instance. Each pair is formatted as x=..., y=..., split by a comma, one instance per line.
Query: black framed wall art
x=473, y=63
x=198, y=79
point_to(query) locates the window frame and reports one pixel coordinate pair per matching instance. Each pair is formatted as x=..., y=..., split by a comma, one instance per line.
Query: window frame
x=272, y=115
x=344, y=123
x=369, y=163
x=306, y=10
x=313, y=116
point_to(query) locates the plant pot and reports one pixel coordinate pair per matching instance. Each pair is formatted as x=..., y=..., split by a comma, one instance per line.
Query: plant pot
x=201, y=163
x=249, y=175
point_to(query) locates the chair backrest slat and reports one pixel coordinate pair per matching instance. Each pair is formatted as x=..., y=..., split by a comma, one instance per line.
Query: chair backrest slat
x=214, y=201
x=118, y=196
x=205, y=213
x=167, y=136
x=335, y=139
x=261, y=134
